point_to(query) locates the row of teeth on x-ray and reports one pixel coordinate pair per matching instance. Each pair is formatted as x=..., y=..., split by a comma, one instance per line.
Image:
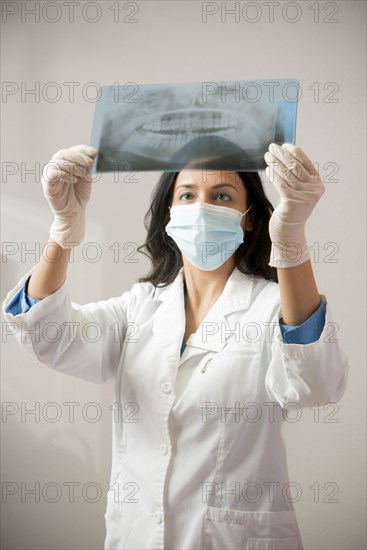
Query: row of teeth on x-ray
x=155, y=140
x=191, y=124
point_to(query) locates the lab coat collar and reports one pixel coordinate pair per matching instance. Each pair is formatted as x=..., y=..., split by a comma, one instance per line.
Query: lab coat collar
x=170, y=321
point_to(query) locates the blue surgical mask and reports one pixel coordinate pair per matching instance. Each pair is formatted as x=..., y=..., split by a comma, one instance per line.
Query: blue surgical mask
x=207, y=235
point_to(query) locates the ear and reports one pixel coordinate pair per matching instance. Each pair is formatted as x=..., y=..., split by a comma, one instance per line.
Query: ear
x=250, y=221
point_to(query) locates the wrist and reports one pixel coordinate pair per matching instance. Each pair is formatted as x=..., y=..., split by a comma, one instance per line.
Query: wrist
x=289, y=247
x=288, y=255
x=67, y=235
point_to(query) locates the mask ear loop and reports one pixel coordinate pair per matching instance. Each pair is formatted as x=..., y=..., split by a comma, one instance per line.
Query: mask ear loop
x=246, y=210
x=242, y=217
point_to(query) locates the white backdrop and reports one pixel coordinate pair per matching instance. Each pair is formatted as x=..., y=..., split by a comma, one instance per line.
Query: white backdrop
x=61, y=51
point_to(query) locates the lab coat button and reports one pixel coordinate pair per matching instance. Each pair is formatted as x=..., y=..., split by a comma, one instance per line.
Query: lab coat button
x=163, y=448
x=158, y=517
x=166, y=387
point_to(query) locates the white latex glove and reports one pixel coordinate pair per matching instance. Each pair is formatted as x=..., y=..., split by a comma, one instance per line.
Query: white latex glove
x=67, y=186
x=300, y=187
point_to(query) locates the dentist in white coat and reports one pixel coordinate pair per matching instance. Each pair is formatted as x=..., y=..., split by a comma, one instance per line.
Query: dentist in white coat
x=208, y=352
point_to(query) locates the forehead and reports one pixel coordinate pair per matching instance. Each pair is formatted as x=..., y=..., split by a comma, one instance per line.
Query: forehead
x=200, y=178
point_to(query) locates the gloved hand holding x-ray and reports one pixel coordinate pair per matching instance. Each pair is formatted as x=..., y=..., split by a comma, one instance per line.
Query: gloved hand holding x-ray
x=164, y=126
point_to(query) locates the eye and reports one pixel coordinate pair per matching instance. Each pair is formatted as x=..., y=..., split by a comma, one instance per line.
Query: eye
x=183, y=194
x=217, y=195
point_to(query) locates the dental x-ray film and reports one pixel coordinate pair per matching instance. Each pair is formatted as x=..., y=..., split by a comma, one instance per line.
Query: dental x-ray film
x=165, y=127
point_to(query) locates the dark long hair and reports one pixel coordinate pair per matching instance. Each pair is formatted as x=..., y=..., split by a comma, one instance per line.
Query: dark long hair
x=251, y=257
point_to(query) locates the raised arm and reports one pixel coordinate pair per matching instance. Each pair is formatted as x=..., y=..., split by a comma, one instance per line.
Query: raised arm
x=300, y=187
x=50, y=272
x=66, y=185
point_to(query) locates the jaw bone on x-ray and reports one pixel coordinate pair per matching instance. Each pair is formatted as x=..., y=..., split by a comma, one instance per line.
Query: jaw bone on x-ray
x=226, y=125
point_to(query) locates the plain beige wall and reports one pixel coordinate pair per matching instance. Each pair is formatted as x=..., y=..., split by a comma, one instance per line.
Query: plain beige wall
x=171, y=43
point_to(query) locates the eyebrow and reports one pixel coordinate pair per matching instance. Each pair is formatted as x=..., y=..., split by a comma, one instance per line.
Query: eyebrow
x=216, y=186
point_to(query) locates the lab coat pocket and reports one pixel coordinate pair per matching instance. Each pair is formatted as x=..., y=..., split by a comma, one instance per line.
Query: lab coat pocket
x=236, y=529
x=223, y=529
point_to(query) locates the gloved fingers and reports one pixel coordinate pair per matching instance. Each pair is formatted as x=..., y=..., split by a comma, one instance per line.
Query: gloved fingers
x=299, y=154
x=82, y=192
x=293, y=156
x=285, y=173
x=86, y=149
x=292, y=196
x=73, y=168
x=282, y=177
x=279, y=183
x=55, y=189
x=288, y=167
x=315, y=186
x=53, y=173
x=68, y=165
x=57, y=168
x=82, y=150
x=70, y=156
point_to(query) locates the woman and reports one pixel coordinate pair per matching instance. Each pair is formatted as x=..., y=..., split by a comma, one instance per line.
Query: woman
x=208, y=352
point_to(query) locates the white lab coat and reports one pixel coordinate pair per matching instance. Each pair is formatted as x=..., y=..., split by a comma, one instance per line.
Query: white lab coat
x=199, y=459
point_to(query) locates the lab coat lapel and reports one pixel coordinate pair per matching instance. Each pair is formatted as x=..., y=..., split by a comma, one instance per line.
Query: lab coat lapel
x=214, y=332
x=169, y=320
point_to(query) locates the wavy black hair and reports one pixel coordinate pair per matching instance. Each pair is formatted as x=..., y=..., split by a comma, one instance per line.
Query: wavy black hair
x=251, y=257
